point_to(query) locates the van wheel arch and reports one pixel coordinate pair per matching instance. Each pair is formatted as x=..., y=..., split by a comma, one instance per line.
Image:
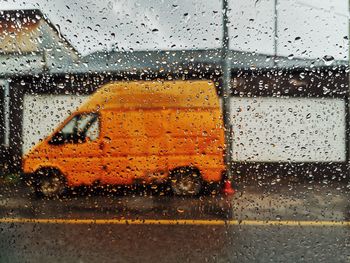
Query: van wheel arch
x=49, y=182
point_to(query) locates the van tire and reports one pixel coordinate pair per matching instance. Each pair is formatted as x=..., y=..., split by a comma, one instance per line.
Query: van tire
x=186, y=181
x=49, y=183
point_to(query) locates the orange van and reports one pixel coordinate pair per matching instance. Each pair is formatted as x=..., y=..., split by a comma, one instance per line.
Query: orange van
x=146, y=132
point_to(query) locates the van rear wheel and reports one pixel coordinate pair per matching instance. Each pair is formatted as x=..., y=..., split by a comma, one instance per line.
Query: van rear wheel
x=49, y=183
x=186, y=181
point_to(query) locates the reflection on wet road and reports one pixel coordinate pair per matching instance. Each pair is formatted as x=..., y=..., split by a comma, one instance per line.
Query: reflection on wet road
x=289, y=222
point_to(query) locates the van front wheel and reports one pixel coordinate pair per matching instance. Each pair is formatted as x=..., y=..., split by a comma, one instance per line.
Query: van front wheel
x=49, y=183
x=186, y=181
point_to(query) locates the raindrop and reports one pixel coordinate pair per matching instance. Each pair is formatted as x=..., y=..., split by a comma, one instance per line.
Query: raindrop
x=252, y=67
x=107, y=139
x=180, y=210
x=155, y=30
x=328, y=59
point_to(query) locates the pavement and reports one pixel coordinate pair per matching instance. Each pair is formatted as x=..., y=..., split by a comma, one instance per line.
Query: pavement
x=274, y=220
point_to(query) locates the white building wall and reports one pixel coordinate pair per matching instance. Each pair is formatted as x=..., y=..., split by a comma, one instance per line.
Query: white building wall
x=43, y=113
x=270, y=129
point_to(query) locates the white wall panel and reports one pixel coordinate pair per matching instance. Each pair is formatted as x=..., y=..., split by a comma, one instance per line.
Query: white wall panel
x=294, y=129
x=43, y=113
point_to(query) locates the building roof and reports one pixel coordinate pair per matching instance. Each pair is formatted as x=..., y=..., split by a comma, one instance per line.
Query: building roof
x=175, y=60
x=31, y=44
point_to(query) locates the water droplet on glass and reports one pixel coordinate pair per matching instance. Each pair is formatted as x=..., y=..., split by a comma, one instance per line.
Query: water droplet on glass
x=180, y=210
x=328, y=60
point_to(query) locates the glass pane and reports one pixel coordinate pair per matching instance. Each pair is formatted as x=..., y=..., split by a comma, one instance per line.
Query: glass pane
x=94, y=130
x=174, y=131
x=70, y=126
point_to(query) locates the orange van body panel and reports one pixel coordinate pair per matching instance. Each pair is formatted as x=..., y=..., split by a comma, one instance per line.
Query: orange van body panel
x=146, y=130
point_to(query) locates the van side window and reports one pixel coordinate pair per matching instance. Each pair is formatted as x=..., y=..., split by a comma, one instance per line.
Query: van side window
x=78, y=129
x=93, y=131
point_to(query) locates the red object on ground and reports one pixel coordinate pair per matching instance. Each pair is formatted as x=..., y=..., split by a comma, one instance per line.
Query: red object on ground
x=228, y=189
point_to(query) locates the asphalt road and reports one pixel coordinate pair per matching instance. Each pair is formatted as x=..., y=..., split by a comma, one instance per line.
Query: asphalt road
x=277, y=221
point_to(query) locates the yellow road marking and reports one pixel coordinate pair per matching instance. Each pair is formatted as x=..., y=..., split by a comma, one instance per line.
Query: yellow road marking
x=176, y=222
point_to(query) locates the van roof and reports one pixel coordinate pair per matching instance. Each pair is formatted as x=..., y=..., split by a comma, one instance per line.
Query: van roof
x=153, y=94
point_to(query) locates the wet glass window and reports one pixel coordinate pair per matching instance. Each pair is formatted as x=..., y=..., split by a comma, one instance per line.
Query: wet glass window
x=174, y=131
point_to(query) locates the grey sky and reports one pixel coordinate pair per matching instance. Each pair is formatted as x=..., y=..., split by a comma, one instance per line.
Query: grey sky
x=306, y=28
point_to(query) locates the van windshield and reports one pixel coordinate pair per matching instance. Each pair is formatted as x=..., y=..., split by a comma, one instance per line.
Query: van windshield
x=78, y=129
